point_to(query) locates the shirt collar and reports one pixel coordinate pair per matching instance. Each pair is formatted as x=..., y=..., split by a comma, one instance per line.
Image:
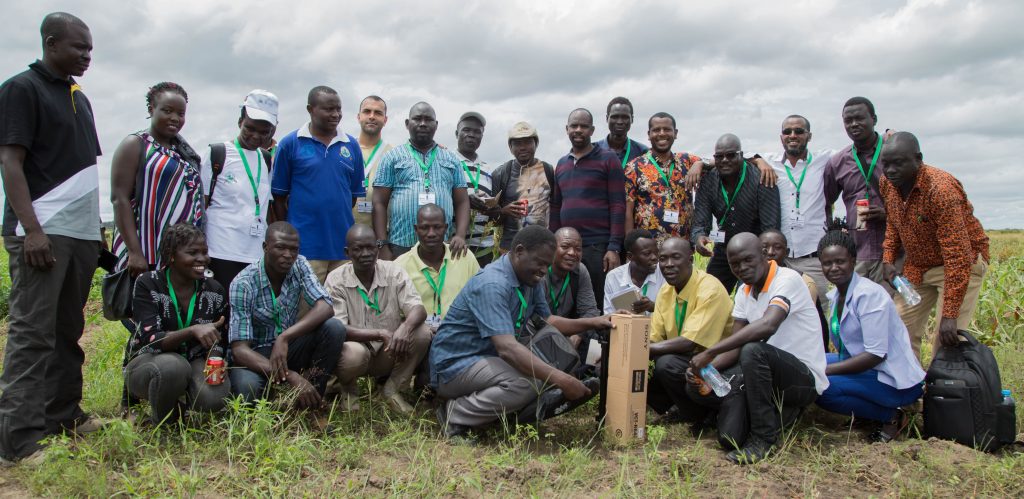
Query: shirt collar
x=773, y=269
x=420, y=264
x=45, y=72
x=303, y=131
x=350, y=280
x=505, y=265
x=593, y=150
x=468, y=161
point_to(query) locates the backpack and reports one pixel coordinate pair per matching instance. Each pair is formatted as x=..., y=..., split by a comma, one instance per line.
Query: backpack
x=550, y=345
x=962, y=391
x=217, y=154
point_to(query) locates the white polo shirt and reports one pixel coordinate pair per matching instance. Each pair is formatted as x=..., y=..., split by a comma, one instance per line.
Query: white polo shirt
x=800, y=333
x=805, y=226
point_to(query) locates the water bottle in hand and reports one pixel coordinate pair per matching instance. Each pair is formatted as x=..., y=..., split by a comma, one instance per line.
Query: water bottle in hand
x=714, y=378
x=907, y=291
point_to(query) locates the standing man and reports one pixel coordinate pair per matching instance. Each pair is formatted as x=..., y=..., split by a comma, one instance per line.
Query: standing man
x=656, y=195
x=852, y=172
x=731, y=192
x=373, y=115
x=417, y=173
x=619, y=116
x=469, y=133
x=51, y=230
x=318, y=175
x=801, y=198
x=640, y=274
x=946, y=248
x=523, y=184
x=590, y=197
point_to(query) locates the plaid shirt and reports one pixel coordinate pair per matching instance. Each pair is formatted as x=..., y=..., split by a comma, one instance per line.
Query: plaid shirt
x=252, y=304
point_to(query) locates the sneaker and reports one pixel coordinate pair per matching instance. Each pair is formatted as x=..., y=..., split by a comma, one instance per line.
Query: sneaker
x=888, y=432
x=34, y=459
x=754, y=451
x=553, y=402
x=89, y=424
x=397, y=403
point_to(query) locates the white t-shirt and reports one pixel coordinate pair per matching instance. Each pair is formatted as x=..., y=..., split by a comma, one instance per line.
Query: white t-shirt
x=233, y=232
x=800, y=333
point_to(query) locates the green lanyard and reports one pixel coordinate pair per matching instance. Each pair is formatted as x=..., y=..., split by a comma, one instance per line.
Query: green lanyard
x=666, y=178
x=871, y=169
x=729, y=200
x=807, y=165
x=556, y=299
x=680, y=316
x=259, y=174
x=425, y=167
x=438, y=287
x=834, y=327
x=643, y=289
x=522, y=310
x=375, y=304
x=629, y=147
x=369, y=160
x=277, y=311
x=476, y=181
x=174, y=301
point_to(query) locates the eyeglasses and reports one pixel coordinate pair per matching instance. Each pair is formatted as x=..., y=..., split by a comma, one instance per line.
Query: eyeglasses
x=793, y=131
x=729, y=156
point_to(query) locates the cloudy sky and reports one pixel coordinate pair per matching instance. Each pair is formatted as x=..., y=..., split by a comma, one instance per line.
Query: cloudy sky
x=950, y=71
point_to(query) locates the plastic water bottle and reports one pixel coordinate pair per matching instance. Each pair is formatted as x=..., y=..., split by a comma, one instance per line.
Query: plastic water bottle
x=1006, y=420
x=714, y=378
x=907, y=291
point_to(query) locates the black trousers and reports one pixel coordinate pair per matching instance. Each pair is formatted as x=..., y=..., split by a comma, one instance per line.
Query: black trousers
x=224, y=271
x=593, y=258
x=718, y=266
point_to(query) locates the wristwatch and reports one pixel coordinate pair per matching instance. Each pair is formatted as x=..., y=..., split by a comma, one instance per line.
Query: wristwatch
x=381, y=243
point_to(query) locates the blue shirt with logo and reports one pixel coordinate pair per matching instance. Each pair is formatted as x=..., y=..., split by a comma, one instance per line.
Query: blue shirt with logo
x=320, y=181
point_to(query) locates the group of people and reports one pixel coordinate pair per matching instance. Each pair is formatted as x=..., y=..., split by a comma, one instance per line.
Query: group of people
x=322, y=258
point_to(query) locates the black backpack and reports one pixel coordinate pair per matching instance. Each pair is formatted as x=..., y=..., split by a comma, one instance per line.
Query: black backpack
x=962, y=391
x=217, y=154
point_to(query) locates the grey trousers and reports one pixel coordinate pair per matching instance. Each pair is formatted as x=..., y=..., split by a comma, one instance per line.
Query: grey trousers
x=164, y=378
x=42, y=375
x=486, y=391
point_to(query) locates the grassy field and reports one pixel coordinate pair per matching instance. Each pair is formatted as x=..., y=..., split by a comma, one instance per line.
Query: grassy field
x=269, y=452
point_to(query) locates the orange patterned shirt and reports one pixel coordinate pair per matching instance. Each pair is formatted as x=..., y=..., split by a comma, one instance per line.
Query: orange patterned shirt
x=646, y=187
x=936, y=227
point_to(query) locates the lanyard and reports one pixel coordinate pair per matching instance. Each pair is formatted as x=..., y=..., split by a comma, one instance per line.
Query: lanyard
x=680, y=316
x=259, y=174
x=666, y=178
x=174, y=301
x=834, y=327
x=556, y=299
x=375, y=304
x=425, y=167
x=522, y=310
x=625, y=158
x=735, y=192
x=369, y=161
x=807, y=165
x=643, y=289
x=277, y=310
x=439, y=285
x=871, y=169
x=476, y=181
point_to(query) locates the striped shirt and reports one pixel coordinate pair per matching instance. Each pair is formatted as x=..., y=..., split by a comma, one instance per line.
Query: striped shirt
x=590, y=196
x=399, y=171
x=168, y=191
x=755, y=209
x=254, y=317
x=478, y=182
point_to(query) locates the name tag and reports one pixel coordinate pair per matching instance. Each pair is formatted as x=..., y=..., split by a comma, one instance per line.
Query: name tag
x=427, y=198
x=433, y=322
x=671, y=216
x=717, y=236
x=256, y=229
x=797, y=222
x=481, y=218
x=364, y=207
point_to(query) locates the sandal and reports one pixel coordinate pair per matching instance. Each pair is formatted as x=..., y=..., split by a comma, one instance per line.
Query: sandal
x=897, y=425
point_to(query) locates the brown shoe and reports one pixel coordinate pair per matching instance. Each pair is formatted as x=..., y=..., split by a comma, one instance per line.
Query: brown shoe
x=91, y=424
x=34, y=459
x=397, y=403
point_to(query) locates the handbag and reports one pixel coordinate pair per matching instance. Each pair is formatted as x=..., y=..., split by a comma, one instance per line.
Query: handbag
x=117, y=295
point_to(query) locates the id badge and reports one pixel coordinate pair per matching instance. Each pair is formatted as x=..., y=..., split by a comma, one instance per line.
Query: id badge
x=434, y=322
x=426, y=198
x=364, y=207
x=481, y=218
x=256, y=229
x=717, y=236
x=797, y=222
x=671, y=216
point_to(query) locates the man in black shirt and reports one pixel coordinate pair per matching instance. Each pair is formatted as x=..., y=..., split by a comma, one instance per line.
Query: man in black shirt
x=51, y=230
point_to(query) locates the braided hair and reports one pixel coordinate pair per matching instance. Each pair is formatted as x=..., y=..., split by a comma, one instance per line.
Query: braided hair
x=836, y=234
x=164, y=86
x=176, y=237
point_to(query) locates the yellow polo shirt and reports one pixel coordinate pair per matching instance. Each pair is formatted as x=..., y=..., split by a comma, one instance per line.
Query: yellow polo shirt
x=456, y=276
x=708, y=316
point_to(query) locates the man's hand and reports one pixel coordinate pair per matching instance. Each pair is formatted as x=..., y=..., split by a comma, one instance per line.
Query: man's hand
x=642, y=305
x=384, y=336
x=37, y=251
x=699, y=361
x=702, y=246
x=601, y=322
x=476, y=203
x=306, y=395
x=693, y=176
x=690, y=377
x=384, y=253
x=611, y=260
x=279, y=359
x=571, y=387
x=947, y=332
x=768, y=175
x=400, y=343
x=458, y=246
x=137, y=263
x=889, y=271
x=207, y=334
x=875, y=213
x=515, y=209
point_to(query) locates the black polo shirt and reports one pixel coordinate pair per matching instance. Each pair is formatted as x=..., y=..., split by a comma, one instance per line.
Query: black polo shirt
x=52, y=119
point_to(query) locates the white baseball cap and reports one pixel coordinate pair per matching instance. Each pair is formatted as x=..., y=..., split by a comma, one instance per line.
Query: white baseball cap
x=261, y=105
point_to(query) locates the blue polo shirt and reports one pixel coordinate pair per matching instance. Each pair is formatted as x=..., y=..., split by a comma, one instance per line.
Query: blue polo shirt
x=399, y=171
x=487, y=306
x=320, y=181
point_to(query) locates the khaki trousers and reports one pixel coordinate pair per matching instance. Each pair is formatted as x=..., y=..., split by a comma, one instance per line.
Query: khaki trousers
x=930, y=289
x=370, y=359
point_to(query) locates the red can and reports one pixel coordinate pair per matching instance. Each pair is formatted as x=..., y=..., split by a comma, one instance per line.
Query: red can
x=862, y=208
x=214, y=371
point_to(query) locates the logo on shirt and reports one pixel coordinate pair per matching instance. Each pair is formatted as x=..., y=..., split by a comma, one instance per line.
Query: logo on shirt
x=230, y=178
x=344, y=153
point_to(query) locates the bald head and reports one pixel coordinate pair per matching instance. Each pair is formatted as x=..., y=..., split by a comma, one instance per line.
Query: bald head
x=679, y=244
x=282, y=228
x=421, y=124
x=421, y=108
x=728, y=141
x=901, y=159
x=429, y=212
x=359, y=232
x=581, y=114
x=747, y=259
x=904, y=140
x=56, y=25
x=567, y=232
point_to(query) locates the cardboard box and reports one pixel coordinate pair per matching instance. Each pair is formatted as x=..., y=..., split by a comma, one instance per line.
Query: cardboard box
x=628, y=358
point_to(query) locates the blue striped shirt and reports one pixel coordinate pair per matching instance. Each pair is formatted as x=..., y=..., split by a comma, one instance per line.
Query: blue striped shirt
x=252, y=305
x=400, y=171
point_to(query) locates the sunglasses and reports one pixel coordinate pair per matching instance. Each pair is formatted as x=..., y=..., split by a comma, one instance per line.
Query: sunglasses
x=793, y=131
x=729, y=156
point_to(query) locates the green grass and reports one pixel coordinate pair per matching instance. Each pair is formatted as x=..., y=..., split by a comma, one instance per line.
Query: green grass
x=269, y=451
